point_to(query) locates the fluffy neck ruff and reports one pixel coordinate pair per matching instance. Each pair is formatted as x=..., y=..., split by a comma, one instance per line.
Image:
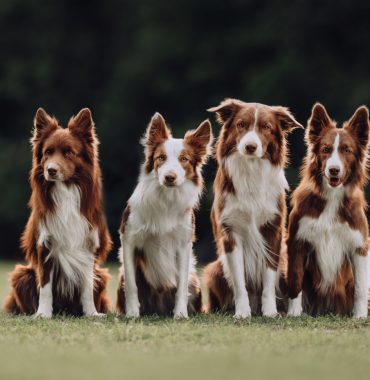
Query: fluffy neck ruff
x=157, y=208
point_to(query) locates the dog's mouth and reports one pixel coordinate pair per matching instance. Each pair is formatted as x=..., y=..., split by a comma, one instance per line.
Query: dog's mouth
x=170, y=184
x=50, y=178
x=53, y=177
x=334, y=181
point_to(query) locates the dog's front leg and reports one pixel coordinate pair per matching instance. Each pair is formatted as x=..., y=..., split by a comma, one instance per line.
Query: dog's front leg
x=235, y=260
x=361, y=276
x=268, y=294
x=87, y=291
x=297, y=254
x=183, y=262
x=45, y=274
x=87, y=286
x=131, y=292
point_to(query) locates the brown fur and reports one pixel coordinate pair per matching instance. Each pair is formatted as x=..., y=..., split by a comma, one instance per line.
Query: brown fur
x=220, y=295
x=307, y=200
x=75, y=152
x=157, y=133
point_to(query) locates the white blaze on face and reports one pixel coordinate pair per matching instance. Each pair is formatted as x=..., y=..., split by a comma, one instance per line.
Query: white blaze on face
x=173, y=148
x=251, y=138
x=334, y=161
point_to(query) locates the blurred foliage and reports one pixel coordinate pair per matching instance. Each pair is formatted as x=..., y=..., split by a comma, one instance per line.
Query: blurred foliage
x=127, y=59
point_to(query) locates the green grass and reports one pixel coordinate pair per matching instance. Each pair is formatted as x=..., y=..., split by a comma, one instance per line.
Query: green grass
x=211, y=346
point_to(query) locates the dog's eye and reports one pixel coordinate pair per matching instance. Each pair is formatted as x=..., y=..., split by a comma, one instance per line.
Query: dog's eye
x=347, y=149
x=240, y=124
x=184, y=159
x=68, y=153
x=162, y=157
x=326, y=149
x=48, y=152
x=266, y=126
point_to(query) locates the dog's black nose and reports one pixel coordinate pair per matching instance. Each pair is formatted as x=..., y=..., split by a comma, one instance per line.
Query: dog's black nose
x=251, y=148
x=170, y=178
x=334, y=171
x=52, y=172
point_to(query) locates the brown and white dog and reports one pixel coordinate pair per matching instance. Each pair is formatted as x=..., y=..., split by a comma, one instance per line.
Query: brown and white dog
x=66, y=234
x=158, y=272
x=248, y=214
x=328, y=230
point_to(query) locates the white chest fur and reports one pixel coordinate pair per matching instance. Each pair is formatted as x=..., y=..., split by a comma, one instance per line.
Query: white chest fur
x=258, y=186
x=160, y=225
x=332, y=240
x=68, y=236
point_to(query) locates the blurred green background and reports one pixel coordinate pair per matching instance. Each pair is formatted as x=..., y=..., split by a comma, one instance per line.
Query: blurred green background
x=127, y=59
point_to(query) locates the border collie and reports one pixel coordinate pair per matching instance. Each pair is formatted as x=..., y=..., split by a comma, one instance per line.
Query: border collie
x=158, y=272
x=248, y=214
x=328, y=230
x=66, y=235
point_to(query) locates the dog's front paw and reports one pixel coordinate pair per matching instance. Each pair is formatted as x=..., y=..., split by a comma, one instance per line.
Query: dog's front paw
x=295, y=307
x=181, y=312
x=132, y=308
x=269, y=308
x=132, y=312
x=95, y=314
x=360, y=312
x=242, y=310
x=360, y=307
x=43, y=314
x=270, y=313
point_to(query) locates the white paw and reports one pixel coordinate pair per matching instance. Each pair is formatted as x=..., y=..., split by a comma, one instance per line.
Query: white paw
x=95, y=314
x=132, y=312
x=43, y=315
x=242, y=311
x=360, y=312
x=295, y=307
x=132, y=308
x=269, y=308
x=272, y=313
x=180, y=312
x=294, y=313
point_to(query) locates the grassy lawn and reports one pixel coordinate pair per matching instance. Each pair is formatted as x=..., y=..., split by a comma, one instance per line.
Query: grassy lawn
x=206, y=346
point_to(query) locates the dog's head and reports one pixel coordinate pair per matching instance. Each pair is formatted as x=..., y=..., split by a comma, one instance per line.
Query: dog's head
x=338, y=154
x=61, y=154
x=253, y=130
x=176, y=160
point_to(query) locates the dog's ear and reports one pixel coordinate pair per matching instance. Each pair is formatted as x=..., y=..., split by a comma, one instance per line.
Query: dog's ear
x=43, y=124
x=157, y=131
x=226, y=110
x=200, y=140
x=318, y=121
x=82, y=125
x=286, y=119
x=358, y=126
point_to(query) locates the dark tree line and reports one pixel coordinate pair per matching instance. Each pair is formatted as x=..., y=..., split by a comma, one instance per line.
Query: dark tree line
x=127, y=59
